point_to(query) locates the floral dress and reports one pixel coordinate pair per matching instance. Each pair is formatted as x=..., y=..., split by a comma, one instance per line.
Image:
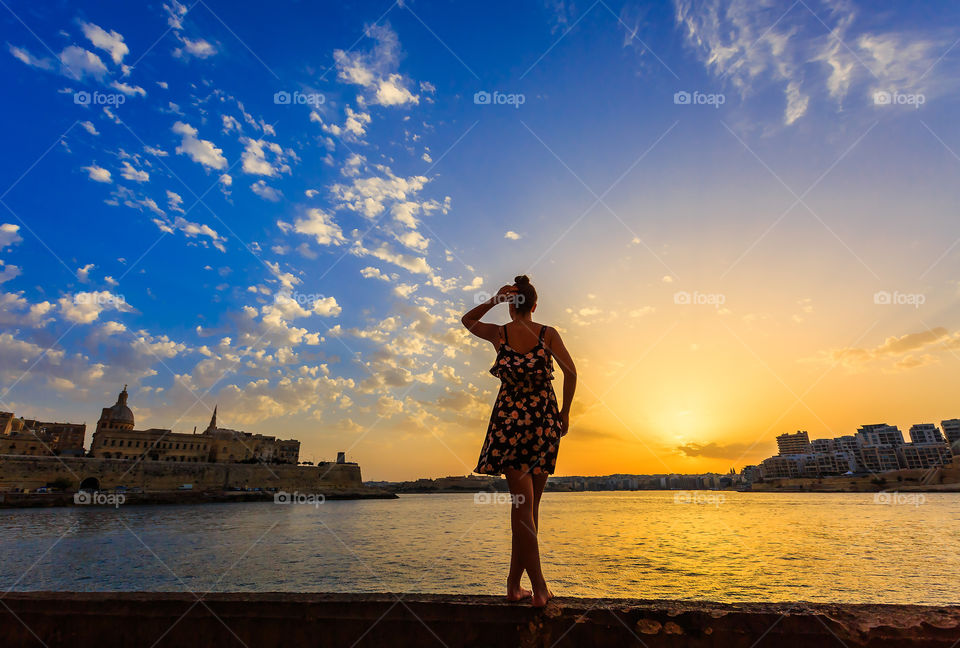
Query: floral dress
x=524, y=430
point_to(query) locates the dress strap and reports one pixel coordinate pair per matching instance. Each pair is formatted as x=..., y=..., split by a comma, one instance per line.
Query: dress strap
x=504, y=330
x=543, y=329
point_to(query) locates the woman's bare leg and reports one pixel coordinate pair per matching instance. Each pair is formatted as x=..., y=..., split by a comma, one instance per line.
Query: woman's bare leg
x=515, y=592
x=539, y=483
x=525, y=532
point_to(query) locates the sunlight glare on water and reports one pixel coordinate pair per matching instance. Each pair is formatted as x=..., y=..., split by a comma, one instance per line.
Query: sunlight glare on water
x=716, y=546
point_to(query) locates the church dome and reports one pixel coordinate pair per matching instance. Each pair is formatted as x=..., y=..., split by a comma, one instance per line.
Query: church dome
x=119, y=412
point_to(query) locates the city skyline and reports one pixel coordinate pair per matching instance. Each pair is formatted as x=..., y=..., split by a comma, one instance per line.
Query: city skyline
x=713, y=205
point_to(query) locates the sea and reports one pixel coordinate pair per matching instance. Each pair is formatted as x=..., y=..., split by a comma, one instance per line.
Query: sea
x=695, y=545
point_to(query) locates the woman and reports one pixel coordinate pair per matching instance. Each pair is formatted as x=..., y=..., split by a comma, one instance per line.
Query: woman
x=526, y=424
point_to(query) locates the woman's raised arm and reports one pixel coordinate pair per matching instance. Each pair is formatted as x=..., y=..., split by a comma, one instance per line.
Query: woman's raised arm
x=471, y=320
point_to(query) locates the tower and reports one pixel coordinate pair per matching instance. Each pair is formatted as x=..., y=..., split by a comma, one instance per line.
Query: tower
x=213, y=420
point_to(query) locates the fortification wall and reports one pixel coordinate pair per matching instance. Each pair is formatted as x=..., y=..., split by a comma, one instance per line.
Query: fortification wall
x=19, y=472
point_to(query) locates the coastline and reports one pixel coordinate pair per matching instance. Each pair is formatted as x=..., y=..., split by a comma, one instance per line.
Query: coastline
x=66, y=499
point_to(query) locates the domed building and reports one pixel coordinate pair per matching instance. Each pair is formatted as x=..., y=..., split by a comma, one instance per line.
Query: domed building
x=118, y=416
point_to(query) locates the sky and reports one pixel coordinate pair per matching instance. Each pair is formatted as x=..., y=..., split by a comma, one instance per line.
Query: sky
x=741, y=217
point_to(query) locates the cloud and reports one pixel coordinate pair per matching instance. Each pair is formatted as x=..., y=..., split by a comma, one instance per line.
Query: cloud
x=411, y=263
x=375, y=70
x=97, y=174
x=511, y=235
x=354, y=125
x=753, y=45
x=371, y=272
x=266, y=192
x=132, y=174
x=89, y=127
x=321, y=226
x=898, y=352
x=85, y=307
x=9, y=235
x=199, y=150
x=174, y=201
x=715, y=450
x=26, y=57
x=255, y=158
x=83, y=273
x=198, y=48
x=129, y=90
x=111, y=42
x=78, y=63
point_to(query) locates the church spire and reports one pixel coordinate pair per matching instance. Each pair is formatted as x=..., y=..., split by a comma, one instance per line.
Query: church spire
x=213, y=419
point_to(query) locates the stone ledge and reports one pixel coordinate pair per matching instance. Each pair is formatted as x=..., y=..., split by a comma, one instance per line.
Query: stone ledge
x=97, y=619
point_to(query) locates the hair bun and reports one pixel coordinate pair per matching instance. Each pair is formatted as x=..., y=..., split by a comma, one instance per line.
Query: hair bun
x=521, y=280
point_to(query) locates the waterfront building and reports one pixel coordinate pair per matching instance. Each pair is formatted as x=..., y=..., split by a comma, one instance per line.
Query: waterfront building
x=793, y=444
x=925, y=433
x=818, y=446
x=875, y=448
x=879, y=458
x=780, y=467
x=32, y=437
x=951, y=429
x=925, y=455
x=880, y=434
x=116, y=438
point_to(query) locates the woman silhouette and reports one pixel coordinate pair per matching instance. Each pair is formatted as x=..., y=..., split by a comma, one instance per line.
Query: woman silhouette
x=526, y=424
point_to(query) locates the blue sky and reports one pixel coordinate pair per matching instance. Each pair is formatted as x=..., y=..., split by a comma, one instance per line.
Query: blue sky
x=171, y=221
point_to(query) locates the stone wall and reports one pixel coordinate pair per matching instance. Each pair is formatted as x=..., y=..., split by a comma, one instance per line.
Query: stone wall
x=274, y=620
x=34, y=472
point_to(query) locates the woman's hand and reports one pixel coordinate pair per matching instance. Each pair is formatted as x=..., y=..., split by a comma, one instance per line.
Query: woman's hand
x=564, y=423
x=504, y=293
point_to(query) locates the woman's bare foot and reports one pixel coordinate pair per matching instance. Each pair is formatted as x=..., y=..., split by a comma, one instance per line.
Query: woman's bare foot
x=517, y=593
x=541, y=598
